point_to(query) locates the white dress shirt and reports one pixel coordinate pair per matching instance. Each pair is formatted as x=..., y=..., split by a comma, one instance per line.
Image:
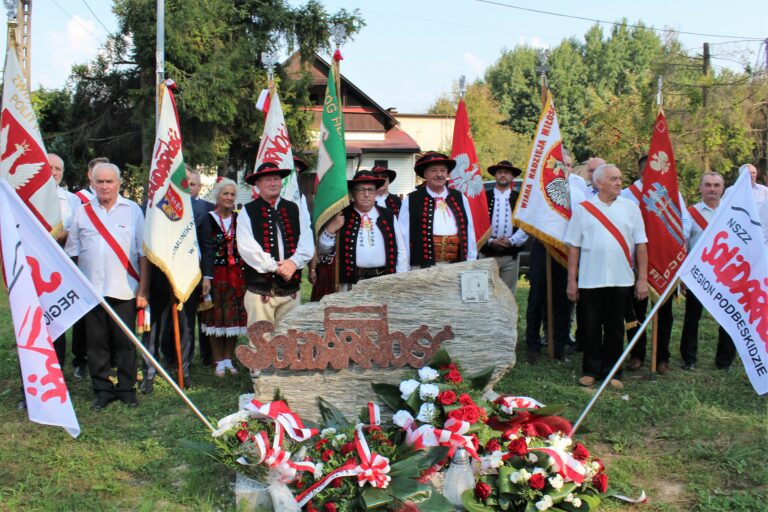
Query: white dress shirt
x=68, y=204
x=442, y=224
x=760, y=193
x=96, y=259
x=370, y=251
x=602, y=262
x=255, y=257
x=501, y=220
x=694, y=230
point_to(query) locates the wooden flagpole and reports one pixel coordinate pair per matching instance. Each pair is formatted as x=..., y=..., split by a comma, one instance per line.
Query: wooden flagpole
x=177, y=341
x=550, y=307
x=654, y=343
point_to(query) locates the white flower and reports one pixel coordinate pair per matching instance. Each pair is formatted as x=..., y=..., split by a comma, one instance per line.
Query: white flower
x=492, y=461
x=428, y=374
x=562, y=442
x=532, y=458
x=227, y=422
x=327, y=432
x=539, y=470
x=318, y=472
x=569, y=497
x=340, y=439
x=545, y=503
x=407, y=387
x=519, y=477
x=428, y=391
x=427, y=413
x=556, y=482
x=402, y=418
x=577, y=502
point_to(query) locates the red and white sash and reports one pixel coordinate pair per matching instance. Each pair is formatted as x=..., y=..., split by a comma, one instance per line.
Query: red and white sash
x=636, y=191
x=612, y=229
x=83, y=197
x=698, y=217
x=111, y=242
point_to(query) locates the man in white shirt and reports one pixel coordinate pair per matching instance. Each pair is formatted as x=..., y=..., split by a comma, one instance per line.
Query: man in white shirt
x=605, y=234
x=68, y=204
x=711, y=187
x=106, y=237
x=665, y=318
x=435, y=220
x=371, y=242
x=274, y=239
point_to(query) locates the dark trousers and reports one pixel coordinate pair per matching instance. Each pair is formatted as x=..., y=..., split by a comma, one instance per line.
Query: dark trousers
x=161, y=339
x=190, y=309
x=79, y=346
x=537, y=301
x=602, y=313
x=689, y=340
x=664, y=319
x=108, y=345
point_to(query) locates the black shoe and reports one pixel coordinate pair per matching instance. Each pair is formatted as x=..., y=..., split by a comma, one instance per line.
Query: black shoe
x=102, y=402
x=688, y=366
x=80, y=372
x=130, y=401
x=533, y=357
x=147, y=385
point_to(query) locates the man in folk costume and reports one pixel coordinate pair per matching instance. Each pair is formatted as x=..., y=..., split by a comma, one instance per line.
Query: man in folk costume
x=711, y=188
x=275, y=241
x=665, y=318
x=505, y=240
x=106, y=237
x=436, y=221
x=383, y=197
x=605, y=234
x=371, y=243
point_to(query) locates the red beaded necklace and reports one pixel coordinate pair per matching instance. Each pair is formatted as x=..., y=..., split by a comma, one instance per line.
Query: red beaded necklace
x=229, y=236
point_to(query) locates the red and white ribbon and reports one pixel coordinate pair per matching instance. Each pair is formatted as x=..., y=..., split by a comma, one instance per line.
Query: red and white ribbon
x=284, y=416
x=508, y=403
x=568, y=467
x=276, y=457
x=374, y=416
x=452, y=435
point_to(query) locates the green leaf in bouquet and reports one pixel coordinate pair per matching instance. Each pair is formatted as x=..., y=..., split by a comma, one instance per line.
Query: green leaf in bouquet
x=481, y=379
x=414, y=402
x=441, y=358
x=530, y=507
x=436, y=503
x=374, y=498
x=332, y=416
x=409, y=490
x=563, y=492
x=472, y=504
x=389, y=394
x=505, y=484
x=279, y=396
x=412, y=466
x=591, y=500
x=549, y=410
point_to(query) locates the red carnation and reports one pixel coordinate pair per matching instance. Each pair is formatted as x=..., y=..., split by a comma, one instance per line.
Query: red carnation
x=330, y=507
x=507, y=435
x=299, y=483
x=446, y=397
x=242, y=435
x=600, y=482
x=453, y=376
x=471, y=414
x=337, y=482
x=465, y=399
x=536, y=482
x=320, y=443
x=518, y=447
x=311, y=507
x=348, y=448
x=457, y=414
x=483, y=491
x=326, y=455
x=580, y=452
x=600, y=463
x=493, y=446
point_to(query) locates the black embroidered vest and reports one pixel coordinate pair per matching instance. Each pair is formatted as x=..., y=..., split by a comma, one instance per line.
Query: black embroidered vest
x=394, y=203
x=421, y=210
x=488, y=249
x=265, y=221
x=348, y=243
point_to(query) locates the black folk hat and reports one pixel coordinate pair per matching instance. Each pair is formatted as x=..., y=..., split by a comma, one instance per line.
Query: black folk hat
x=432, y=158
x=365, y=177
x=266, y=169
x=299, y=164
x=383, y=170
x=505, y=165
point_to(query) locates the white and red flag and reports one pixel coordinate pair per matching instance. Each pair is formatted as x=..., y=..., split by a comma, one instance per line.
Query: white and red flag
x=275, y=145
x=47, y=295
x=544, y=206
x=23, y=160
x=727, y=270
x=661, y=209
x=466, y=177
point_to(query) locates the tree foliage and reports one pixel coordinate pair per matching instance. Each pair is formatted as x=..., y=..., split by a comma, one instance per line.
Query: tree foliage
x=212, y=52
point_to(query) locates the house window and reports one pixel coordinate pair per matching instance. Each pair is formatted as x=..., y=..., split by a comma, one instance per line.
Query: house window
x=381, y=163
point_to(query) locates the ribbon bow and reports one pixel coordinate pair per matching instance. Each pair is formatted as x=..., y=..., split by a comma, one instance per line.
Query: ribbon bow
x=278, y=458
x=373, y=467
x=452, y=436
x=284, y=416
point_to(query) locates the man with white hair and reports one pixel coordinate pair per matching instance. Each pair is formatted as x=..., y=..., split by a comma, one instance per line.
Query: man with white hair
x=759, y=191
x=106, y=239
x=605, y=235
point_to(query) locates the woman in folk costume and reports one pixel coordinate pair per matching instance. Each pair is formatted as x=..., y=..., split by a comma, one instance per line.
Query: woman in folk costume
x=223, y=278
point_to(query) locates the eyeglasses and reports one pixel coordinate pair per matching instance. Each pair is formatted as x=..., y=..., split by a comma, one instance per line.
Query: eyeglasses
x=364, y=191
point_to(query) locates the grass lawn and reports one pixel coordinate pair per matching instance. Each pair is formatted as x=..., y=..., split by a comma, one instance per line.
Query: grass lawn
x=692, y=440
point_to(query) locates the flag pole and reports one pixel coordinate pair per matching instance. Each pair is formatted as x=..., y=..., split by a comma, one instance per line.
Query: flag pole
x=339, y=34
x=148, y=356
x=620, y=361
x=177, y=341
x=159, y=56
